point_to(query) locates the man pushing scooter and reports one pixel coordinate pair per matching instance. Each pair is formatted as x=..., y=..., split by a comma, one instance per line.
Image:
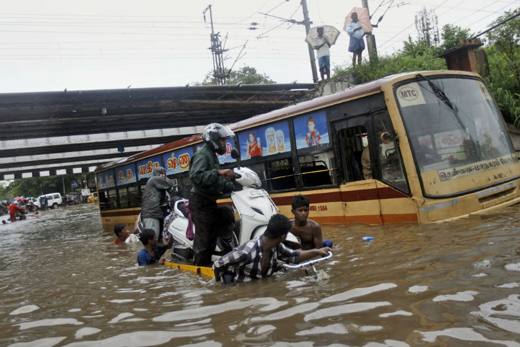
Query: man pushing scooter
x=259, y=257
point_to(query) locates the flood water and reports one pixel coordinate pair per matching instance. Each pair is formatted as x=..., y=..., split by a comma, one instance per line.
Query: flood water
x=453, y=284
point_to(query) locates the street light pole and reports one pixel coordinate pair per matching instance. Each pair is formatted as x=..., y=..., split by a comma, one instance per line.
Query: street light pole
x=371, y=40
x=307, y=23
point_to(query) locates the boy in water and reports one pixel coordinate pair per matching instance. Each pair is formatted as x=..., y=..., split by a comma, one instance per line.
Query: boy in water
x=121, y=234
x=151, y=253
x=307, y=230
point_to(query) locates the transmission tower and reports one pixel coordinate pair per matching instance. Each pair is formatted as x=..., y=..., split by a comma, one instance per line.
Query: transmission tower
x=427, y=27
x=219, y=71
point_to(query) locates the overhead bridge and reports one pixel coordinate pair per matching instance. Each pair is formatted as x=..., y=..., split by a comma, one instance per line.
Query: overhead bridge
x=49, y=133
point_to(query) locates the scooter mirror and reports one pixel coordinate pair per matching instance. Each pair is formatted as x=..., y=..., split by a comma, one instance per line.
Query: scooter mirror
x=234, y=154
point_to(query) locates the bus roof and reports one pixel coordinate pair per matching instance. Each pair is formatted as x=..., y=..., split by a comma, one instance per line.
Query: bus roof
x=351, y=93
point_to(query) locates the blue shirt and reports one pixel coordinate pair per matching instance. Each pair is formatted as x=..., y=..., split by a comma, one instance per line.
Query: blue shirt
x=144, y=258
x=357, y=33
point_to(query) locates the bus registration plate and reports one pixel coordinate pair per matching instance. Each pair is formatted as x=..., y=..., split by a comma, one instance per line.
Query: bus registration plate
x=257, y=193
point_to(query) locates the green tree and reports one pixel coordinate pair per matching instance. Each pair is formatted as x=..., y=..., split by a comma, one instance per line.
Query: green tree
x=503, y=55
x=244, y=75
x=36, y=186
x=415, y=56
x=450, y=36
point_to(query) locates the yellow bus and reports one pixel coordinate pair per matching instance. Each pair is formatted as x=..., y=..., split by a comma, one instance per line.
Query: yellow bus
x=416, y=147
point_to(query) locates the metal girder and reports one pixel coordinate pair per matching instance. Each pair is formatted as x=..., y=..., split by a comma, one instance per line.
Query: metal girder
x=81, y=129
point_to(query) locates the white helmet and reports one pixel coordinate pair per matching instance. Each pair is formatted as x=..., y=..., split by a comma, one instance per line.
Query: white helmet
x=213, y=133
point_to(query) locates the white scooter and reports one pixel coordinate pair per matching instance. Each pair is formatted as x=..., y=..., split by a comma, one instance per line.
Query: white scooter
x=254, y=207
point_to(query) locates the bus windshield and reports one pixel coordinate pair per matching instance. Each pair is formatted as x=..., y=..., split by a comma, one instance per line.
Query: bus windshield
x=455, y=130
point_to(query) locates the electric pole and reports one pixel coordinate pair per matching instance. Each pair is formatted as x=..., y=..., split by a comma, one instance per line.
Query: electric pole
x=307, y=23
x=219, y=71
x=427, y=27
x=371, y=40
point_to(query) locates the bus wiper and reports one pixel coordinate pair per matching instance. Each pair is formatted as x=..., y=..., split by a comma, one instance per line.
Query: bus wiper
x=442, y=96
x=438, y=92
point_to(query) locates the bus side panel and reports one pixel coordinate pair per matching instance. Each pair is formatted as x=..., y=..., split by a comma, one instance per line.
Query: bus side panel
x=367, y=202
x=126, y=216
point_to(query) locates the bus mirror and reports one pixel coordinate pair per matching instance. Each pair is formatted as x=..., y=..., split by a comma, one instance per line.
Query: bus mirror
x=234, y=154
x=386, y=138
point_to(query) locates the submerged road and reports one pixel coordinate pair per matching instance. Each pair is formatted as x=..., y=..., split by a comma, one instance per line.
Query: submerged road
x=450, y=284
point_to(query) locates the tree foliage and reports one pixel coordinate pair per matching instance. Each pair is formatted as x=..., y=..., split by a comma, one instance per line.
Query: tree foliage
x=503, y=54
x=36, y=186
x=415, y=56
x=244, y=75
x=450, y=36
x=502, y=50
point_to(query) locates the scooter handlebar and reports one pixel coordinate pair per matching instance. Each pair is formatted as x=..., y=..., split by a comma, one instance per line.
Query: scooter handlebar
x=307, y=263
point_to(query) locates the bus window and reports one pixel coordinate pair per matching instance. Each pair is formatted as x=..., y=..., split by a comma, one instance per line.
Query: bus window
x=103, y=200
x=184, y=187
x=315, y=169
x=281, y=174
x=259, y=168
x=457, y=122
x=391, y=168
x=351, y=143
x=112, y=199
x=133, y=197
x=123, y=197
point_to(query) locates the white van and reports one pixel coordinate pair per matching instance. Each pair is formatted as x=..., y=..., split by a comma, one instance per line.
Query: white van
x=52, y=200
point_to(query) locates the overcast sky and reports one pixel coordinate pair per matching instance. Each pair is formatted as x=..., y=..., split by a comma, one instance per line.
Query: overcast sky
x=50, y=45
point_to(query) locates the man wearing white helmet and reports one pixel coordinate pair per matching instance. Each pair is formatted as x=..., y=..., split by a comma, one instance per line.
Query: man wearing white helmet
x=209, y=183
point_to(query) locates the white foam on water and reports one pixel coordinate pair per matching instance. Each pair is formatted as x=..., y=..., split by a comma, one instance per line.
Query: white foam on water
x=513, y=267
x=418, y=289
x=497, y=312
x=464, y=334
x=142, y=338
x=357, y=292
x=396, y=313
x=46, y=342
x=468, y=295
x=121, y=301
x=120, y=317
x=292, y=311
x=344, y=310
x=49, y=322
x=85, y=332
x=510, y=285
x=329, y=329
x=24, y=309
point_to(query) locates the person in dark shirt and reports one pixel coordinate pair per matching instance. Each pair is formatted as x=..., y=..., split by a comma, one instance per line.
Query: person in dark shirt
x=209, y=183
x=151, y=253
x=155, y=195
x=259, y=257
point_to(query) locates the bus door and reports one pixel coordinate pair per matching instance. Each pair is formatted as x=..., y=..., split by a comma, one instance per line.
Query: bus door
x=392, y=186
x=358, y=188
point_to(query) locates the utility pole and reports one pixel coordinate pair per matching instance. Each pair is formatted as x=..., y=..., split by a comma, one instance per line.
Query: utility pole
x=371, y=40
x=307, y=23
x=427, y=27
x=219, y=71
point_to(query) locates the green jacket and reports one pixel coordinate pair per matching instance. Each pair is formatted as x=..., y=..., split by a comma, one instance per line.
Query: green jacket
x=204, y=177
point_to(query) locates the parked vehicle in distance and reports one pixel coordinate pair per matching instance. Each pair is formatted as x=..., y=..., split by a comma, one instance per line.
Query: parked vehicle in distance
x=52, y=200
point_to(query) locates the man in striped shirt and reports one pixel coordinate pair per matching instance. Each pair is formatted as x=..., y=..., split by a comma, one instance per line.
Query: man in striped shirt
x=259, y=257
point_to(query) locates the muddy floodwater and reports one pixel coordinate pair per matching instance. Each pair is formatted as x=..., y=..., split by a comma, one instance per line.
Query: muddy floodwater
x=452, y=284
